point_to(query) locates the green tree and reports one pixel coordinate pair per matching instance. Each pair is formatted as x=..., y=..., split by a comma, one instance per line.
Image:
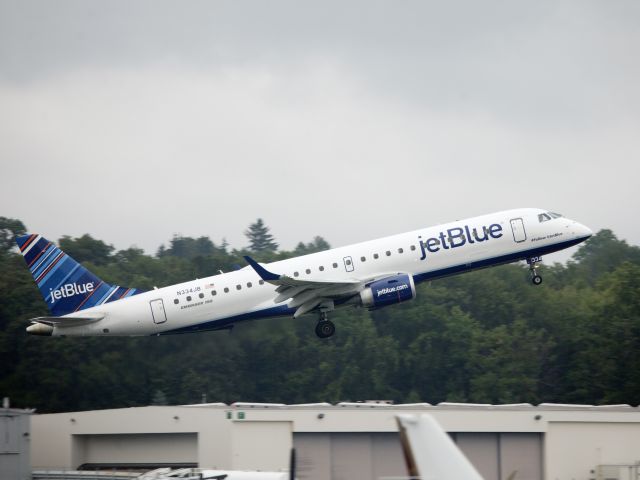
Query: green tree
x=438, y=358
x=86, y=249
x=10, y=228
x=505, y=363
x=159, y=398
x=260, y=240
x=189, y=248
x=606, y=363
x=487, y=336
x=600, y=255
x=318, y=244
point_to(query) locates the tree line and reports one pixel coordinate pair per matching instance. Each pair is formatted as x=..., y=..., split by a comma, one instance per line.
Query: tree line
x=484, y=337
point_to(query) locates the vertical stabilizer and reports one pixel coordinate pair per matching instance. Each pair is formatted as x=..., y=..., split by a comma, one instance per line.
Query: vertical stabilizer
x=65, y=285
x=430, y=453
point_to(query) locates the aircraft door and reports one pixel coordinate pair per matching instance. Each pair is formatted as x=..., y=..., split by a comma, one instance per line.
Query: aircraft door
x=348, y=264
x=157, y=311
x=517, y=227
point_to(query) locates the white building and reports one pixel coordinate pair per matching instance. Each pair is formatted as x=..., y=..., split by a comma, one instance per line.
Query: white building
x=345, y=441
x=15, y=437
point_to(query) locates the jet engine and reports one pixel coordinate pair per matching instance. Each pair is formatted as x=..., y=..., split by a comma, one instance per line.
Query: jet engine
x=388, y=291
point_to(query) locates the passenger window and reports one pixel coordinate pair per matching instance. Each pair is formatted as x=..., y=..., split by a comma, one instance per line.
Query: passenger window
x=388, y=253
x=261, y=282
x=400, y=250
x=335, y=265
x=201, y=295
x=176, y=301
x=321, y=268
x=226, y=289
x=249, y=284
x=238, y=287
x=213, y=293
x=188, y=299
x=348, y=262
x=376, y=256
x=296, y=274
x=363, y=259
x=412, y=247
x=308, y=270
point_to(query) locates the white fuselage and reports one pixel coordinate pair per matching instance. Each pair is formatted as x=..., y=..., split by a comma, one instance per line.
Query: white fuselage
x=215, y=302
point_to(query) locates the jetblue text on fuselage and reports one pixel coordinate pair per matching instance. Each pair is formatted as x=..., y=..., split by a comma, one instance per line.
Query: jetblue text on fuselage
x=459, y=236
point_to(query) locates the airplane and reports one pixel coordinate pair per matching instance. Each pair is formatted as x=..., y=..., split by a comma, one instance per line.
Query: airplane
x=371, y=274
x=429, y=452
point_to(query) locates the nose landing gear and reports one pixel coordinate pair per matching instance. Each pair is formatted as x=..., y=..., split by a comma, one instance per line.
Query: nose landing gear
x=533, y=268
x=325, y=327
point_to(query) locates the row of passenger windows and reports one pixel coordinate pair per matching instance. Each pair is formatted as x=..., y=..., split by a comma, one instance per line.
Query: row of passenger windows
x=215, y=292
x=297, y=274
x=387, y=253
x=348, y=261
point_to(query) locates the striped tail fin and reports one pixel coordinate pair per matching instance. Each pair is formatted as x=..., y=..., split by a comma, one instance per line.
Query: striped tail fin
x=66, y=285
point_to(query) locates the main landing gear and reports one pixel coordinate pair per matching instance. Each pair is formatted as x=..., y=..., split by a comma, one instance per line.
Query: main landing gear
x=325, y=327
x=533, y=268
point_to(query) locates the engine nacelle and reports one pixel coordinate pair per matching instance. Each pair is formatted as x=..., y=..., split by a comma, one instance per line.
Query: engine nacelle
x=388, y=291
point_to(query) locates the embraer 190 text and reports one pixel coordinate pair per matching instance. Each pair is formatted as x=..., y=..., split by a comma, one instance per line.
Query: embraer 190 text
x=371, y=274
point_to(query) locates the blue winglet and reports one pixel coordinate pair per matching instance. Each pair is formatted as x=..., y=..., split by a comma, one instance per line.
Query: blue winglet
x=264, y=274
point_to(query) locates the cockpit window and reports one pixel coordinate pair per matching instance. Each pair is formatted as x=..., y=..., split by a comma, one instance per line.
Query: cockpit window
x=545, y=217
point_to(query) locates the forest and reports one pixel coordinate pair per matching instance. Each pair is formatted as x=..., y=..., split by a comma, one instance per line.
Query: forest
x=488, y=336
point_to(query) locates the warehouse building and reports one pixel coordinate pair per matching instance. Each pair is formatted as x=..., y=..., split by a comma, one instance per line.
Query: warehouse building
x=15, y=438
x=345, y=441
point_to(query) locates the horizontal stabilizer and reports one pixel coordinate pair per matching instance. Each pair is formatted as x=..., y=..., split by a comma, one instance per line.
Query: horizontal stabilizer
x=67, y=321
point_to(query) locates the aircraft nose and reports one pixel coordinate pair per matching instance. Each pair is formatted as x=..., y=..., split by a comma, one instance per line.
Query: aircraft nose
x=583, y=230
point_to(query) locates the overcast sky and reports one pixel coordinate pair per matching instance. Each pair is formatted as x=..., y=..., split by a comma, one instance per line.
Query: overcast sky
x=137, y=120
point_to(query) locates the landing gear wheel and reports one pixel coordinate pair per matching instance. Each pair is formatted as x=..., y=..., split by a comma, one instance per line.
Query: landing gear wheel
x=533, y=269
x=325, y=328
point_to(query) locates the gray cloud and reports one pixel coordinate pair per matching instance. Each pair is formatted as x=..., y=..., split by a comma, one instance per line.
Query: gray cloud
x=575, y=59
x=137, y=120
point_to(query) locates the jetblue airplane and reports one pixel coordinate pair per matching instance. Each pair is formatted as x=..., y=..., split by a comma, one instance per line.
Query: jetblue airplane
x=371, y=274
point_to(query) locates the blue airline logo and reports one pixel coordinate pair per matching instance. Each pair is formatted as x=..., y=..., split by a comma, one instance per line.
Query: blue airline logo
x=69, y=290
x=384, y=291
x=458, y=237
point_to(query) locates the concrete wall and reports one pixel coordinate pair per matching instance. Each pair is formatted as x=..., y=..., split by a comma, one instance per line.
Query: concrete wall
x=379, y=455
x=15, y=439
x=348, y=455
x=136, y=448
x=574, y=449
x=261, y=445
x=61, y=440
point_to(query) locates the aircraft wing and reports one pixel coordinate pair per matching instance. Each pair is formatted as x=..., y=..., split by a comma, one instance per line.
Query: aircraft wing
x=306, y=295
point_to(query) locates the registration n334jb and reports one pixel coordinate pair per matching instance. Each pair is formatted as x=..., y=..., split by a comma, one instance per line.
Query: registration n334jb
x=371, y=274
